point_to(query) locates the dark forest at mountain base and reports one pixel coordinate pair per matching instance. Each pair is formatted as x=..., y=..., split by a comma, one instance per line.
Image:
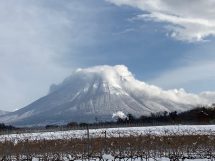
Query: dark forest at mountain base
x=197, y=116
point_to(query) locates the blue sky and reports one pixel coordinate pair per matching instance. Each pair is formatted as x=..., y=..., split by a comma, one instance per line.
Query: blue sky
x=161, y=42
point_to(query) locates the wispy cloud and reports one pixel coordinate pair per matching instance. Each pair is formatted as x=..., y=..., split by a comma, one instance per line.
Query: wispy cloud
x=187, y=76
x=187, y=21
x=34, y=37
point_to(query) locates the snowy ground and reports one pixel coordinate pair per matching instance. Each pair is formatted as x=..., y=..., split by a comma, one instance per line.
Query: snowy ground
x=115, y=132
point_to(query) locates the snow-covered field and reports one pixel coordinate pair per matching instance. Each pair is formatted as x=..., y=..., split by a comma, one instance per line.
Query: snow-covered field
x=138, y=159
x=115, y=132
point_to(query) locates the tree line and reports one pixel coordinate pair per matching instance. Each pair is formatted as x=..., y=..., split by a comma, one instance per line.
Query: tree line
x=4, y=127
x=199, y=115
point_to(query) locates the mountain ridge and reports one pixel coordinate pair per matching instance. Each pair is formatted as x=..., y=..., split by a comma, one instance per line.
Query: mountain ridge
x=2, y=112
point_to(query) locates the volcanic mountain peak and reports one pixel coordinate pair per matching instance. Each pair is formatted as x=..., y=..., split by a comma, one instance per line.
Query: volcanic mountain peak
x=99, y=92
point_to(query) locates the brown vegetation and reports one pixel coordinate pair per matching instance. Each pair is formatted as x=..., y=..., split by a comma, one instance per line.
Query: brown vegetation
x=133, y=146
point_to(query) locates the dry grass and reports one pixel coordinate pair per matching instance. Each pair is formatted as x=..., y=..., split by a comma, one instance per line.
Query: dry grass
x=143, y=146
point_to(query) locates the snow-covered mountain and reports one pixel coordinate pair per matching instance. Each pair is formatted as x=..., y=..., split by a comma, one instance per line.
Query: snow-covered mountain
x=94, y=94
x=3, y=112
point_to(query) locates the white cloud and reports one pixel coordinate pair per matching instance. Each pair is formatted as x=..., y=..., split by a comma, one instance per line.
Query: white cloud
x=190, y=21
x=119, y=77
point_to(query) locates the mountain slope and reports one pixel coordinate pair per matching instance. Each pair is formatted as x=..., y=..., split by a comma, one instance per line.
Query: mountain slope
x=94, y=94
x=3, y=112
